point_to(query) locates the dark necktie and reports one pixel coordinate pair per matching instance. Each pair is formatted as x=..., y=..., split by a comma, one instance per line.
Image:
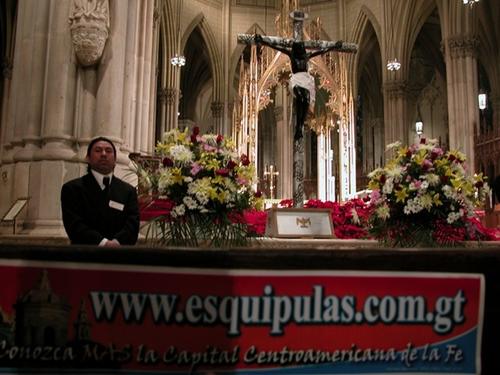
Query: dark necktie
x=105, y=182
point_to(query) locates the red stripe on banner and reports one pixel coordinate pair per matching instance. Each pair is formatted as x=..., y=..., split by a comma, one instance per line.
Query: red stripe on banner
x=220, y=313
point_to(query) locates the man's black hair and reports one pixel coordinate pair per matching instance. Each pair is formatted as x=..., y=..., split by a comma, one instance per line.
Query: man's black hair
x=95, y=140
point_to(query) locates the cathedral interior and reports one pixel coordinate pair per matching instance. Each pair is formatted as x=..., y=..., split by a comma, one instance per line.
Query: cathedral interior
x=132, y=70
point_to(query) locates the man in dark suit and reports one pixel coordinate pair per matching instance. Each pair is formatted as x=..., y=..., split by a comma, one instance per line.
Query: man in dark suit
x=99, y=208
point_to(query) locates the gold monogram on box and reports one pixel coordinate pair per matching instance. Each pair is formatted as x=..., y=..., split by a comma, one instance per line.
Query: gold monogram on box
x=303, y=222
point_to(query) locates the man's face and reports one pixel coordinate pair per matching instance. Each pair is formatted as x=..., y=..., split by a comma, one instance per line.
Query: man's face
x=102, y=158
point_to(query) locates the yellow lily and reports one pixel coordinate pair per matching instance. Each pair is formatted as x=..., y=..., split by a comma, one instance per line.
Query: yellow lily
x=435, y=199
x=401, y=195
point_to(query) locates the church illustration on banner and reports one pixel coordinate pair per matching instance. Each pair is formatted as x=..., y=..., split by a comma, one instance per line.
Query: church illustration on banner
x=41, y=320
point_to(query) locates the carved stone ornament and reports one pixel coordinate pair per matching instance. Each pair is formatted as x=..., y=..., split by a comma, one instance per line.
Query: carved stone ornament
x=217, y=109
x=167, y=95
x=396, y=89
x=461, y=47
x=89, y=25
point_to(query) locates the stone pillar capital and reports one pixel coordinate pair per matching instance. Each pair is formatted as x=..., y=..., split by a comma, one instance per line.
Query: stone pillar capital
x=167, y=95
x=278, y=113
x=462, y=46
x=217, y=109
x=396, y=89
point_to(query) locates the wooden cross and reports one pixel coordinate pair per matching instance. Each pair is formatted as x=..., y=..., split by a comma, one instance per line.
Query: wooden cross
x=300, y=63
x=298, y=19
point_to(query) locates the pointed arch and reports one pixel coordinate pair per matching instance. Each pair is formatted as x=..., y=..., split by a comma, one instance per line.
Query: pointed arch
x=366, y=74
x=410, y=19
x=215, y=55
x=364, y=19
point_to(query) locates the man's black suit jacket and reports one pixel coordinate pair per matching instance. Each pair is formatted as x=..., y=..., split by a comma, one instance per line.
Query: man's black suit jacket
x=91, y=214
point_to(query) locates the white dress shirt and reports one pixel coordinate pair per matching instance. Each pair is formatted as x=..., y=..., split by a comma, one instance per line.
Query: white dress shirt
x=99, y=178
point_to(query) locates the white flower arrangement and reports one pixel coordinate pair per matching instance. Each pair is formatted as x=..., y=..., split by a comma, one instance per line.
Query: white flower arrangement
x=425, y=196
x=200, y=189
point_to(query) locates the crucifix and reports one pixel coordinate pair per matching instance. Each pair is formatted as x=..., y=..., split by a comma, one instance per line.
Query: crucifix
x=270, y=175
x=302, y=84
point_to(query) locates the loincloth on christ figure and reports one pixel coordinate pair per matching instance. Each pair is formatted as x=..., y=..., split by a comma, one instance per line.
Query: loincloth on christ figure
x=305, y=80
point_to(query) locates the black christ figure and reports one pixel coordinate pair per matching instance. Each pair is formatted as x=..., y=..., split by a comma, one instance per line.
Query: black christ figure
x=302, y=83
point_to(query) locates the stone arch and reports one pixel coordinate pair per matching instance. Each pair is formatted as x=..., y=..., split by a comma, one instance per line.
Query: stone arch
x=215, y=55
x=364, y=19
x=366, y=76
x=422, y=55
x=410, y=17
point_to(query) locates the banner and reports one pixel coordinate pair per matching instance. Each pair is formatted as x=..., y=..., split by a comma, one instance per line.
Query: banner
x=138, y=319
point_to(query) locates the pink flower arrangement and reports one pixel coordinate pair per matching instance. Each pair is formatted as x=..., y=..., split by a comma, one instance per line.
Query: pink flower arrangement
x=198, y=191
x=424, y=196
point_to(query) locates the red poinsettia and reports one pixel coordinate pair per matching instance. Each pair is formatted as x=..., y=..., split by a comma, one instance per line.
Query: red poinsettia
x=481, y=232
x=256, y=221
x=286, y=203
x=445, y=233
x=349, y=231
x=349, y=218
x=158, y=207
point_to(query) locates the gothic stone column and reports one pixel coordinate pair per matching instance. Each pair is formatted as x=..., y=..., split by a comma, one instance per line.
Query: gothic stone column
x=461, y=74
x=168, y=102
x=138, y=107
x=218, y=117
x=111, y=78
x=40, y=113
x=396, y=112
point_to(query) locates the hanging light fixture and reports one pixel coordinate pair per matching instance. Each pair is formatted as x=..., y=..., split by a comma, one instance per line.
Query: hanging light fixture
x=482, y=100
x=178, y=60
x=392, y=64
x=419, y=127
x=419, y=124
x=470, y=2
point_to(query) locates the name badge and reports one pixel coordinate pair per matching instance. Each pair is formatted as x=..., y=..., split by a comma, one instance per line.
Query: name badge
x=116, y=205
